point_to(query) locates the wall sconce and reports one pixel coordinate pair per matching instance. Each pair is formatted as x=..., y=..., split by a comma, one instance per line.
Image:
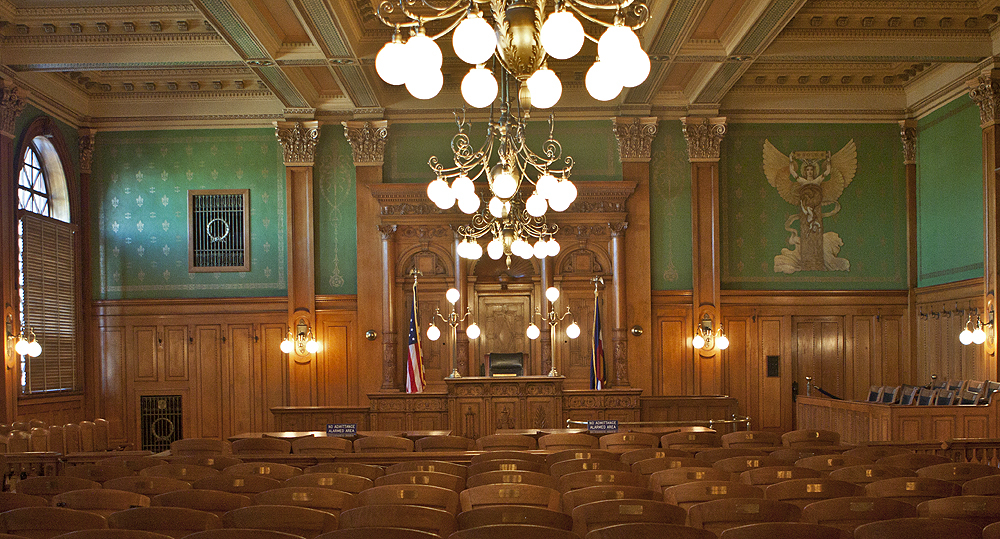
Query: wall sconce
x=301, y=340
x=979, y=333
x=706, y=339
x=18, y=343
x=472, y=331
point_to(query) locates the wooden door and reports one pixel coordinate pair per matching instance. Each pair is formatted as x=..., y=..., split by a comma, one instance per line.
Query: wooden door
x=503, y=320
x=819, y=353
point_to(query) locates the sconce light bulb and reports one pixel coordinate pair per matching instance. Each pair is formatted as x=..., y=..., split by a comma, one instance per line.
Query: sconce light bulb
x=287, y=346
x=722, y=342
x=452, y=295
x=312, y=346
x=573, y=331
x=965, y=337
x=533, y=332
x=433, y=333
x=979, y=336
x=698, y=341
x=552, y=294
x=21, y=347
x=473, y=331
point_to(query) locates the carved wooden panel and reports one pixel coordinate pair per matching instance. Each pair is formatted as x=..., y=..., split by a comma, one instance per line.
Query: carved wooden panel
x=112, y=341
x=774, y=402
x=334, y=360
x=270, y=382
x=240, y=386
x=574, y=355
x=506, y=413
x=819, y=345
x=503, y=320
x=469, y=419
x=175, y=353
x=942, y=313
x=673, y=370
x=208, y=341
x=144, y=351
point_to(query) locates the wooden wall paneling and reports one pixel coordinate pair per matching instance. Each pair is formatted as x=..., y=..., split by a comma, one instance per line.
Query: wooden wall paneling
x=112, y=358
x=673, y=366
x=146, y=343
x=573, y=356
x=337, y=360
x=54, y=411
x=239, y=378
x=862, y=362
x=819, y=342
x=891, y=340
x=775, y=389
x=503, y=320
x=739, y=365
x=301, y=381
x=210, y=394
x=270, y=379
x=940, y=319
x=175, y=353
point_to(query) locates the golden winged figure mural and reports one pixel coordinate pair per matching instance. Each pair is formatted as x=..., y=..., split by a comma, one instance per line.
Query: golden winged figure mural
x=811, y=181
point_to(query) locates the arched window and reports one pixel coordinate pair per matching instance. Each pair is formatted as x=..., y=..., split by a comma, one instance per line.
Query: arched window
x=48, y=287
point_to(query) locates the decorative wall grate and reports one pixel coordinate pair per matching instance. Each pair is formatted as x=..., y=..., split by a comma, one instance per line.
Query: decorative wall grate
x=159, y=421
x=218, y=230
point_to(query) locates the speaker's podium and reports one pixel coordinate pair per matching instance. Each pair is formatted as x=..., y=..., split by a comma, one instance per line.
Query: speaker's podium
x=480, y=405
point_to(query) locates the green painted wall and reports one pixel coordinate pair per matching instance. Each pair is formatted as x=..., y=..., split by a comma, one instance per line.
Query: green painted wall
x=871, y=222
x=670, y=209
x=335, y=214
x=139, y=195
x=950, y=194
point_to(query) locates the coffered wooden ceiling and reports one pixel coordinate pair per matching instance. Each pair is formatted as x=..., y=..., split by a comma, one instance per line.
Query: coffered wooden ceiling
x=112, y=63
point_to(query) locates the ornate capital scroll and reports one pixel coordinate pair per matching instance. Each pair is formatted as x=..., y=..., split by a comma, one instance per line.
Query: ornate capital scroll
x=635, y=137
x=387, y=231
x=618, y=229
x=86, y=149
x=984, y=92
x=367, y=141
x=908, y=134
x=11, y=106
x=298, y=139
x=704, y=137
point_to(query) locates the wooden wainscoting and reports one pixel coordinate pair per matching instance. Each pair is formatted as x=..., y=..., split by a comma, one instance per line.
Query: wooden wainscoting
x=942, y=312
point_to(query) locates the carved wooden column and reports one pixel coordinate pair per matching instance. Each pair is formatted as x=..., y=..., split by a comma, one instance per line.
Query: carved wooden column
x=545, y=337
x=985, y=91
x=298, y=140
x=619, y=334
x=389, y=356
x=367, y=139
x=461, y=276
x=704, y=138
x=908, y=134
x=11, y=105
x=635, y=138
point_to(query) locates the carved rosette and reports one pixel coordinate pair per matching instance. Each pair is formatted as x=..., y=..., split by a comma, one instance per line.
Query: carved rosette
x=635, y=138
x=298, y=140
x=983, y=92
x=86, y=150
x=704, y=138
x=11, y=106
x=908, y=135
x=367, y=141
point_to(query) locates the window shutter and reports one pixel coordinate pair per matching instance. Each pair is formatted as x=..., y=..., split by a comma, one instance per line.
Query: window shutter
x=50, y=303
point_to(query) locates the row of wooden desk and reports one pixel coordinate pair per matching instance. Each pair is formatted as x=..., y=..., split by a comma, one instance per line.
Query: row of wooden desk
x=417, y=434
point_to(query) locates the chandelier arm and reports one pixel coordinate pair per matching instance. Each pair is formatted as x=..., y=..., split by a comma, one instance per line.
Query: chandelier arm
x=638, y=11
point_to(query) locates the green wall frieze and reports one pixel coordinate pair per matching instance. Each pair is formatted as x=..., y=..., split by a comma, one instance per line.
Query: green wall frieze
x=335, y=214
x=950, y=194
x=670, y=210
x=139, y=189
x=870, y=220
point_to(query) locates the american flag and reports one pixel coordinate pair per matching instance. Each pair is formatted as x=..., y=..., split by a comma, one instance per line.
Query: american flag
x=597, y=355
x=415, y=358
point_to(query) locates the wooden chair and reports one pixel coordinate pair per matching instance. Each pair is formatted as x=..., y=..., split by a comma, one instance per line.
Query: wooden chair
x=133, y=463
x=829, y=463
x=751, y=439
x=691, y=441
x=261, y=446
x=212, y=501
x=958, y=472
x=250, y=484
x=13, y=500
x=687, y=494
x=802, y=492
x=589, y=478
x=738, y=465
x=38, y=439
x=184, y=472
x=875, y=452
x=506, y=442
x=711, y=456
x=792, y=454
x=925, y=397
x=273, y=470
x=507, y=465
x=781, y=530
x=521, y=531
x=635, y=455
x=200, y=447
x=514, y=514
x=113, y=534
x=890, y=394
x=769, y=475
x=564, y=467
x=336, y=481
x=172, y=521
x=863, y=474
x=324, y=499
x=717, y=516
x=874, y=394
x=983, y=486
x=57, y=439
x=979, y=510
x=301, y=521
x=444, y=443
x=499, y=477
x=46, y=522
x=382, y=532
x=383, y=444
x=321, y=445
x=912, y=490
x=532, y=495
x=102, y=440
x=649, y=530
x=438, y=479
x=349, y=468
x=507, y=454
x=218, y=462
x=908, y=394
x=436, y=521
x=809, y=437
x=944, y=398
x=425, y=495
x=676, y=476
x=97, y=472
x=912, y=461
x=572, y=454
x=992, y=531
x=918, y=528
x=241, y=533
x=596, y=493
x=621, y=442
x=591, y=516
x=71, y=438
x=100, y=501
x=568, y=440
x=649, y=466
x=147, y=486
x=49, y=486
x=87, y=436
x=438, y=466
x=850, y=512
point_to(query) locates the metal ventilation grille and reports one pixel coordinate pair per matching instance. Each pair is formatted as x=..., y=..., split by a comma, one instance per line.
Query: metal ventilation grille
x=160, y=421
x=218, y=230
